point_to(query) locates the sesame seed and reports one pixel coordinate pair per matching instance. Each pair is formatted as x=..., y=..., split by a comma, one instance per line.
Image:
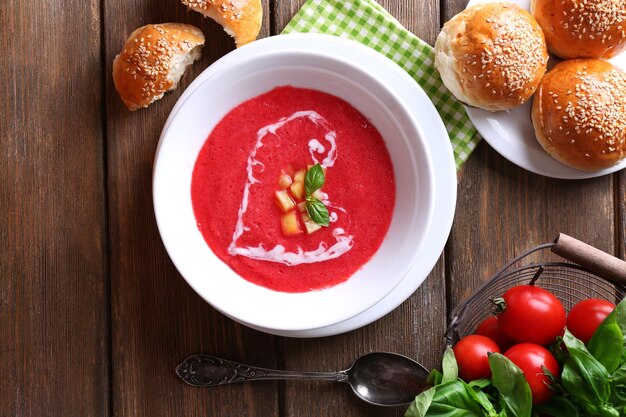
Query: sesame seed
x=515, y=56
x=229, y=9
x=151, y=57
x=591, y=20
x=596, y=116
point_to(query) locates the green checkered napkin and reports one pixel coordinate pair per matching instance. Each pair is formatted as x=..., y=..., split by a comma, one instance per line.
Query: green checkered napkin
x=369, y=23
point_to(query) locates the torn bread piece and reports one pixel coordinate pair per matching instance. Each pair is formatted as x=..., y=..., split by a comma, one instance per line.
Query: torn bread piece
x=241, y=19
x=153, y=60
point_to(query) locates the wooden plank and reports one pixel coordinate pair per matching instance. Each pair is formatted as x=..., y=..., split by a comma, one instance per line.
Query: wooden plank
x=157, y=319
x=504, y=210
x=53, y=312
x=414, y=329
x=620, y=200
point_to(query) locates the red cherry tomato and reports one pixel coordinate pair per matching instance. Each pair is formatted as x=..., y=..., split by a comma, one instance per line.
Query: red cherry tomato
x=471, y=356
x=531, y=314
x=530, y=358
x=490, y=327
x=585, y=317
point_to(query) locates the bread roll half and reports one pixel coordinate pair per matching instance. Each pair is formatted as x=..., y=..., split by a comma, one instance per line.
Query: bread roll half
x=241, y=19
x=153, y=60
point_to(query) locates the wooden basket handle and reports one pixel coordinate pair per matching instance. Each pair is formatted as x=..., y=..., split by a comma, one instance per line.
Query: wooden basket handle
x=593, y=259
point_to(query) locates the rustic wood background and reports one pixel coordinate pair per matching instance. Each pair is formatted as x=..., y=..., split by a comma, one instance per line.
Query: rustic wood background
x=93, y=315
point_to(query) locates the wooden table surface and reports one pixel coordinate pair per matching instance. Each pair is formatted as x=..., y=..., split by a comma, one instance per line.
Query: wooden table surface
x=94, y=316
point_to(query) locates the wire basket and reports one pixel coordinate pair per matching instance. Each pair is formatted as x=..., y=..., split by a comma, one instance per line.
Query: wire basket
x=590, y=273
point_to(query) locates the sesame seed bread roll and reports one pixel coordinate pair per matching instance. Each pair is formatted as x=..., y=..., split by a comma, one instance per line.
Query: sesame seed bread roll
x=153, y=60
x=579, y=114
x=491, y=56
x=241, y=19
x=582, y=28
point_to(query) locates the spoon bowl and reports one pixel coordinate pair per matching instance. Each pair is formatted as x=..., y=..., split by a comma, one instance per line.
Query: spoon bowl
x=383, y=378
x=379, y=378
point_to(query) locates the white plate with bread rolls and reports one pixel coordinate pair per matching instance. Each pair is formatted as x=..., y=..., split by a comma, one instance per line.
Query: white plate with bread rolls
x=572, y=146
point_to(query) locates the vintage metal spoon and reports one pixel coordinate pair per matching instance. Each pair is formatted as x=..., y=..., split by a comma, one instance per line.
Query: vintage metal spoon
x=379, y=378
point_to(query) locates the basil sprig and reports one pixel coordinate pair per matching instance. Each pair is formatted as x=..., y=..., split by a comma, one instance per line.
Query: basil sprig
x=507, y=395
x=515, y=396
x=449, y=366
x=607, y=343
x=594, y=376
x=313, y=181
x=317, y=211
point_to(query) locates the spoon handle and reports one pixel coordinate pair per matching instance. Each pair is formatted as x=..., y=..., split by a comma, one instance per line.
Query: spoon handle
x=208, y=371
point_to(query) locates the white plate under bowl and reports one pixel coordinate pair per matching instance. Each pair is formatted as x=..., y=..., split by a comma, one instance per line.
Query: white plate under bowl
x=512, y=135
x=336, y=66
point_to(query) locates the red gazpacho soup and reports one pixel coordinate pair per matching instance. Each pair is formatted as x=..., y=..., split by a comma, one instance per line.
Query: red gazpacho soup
x=294, y=190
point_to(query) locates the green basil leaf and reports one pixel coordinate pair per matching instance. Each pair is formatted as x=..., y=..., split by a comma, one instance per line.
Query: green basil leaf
x=618, y=395
x=449, y=366
x=621, y=315
x=558, y=350
x=558, y=407
x=607, y=343
x=419, y=406
x=455, y=399
x=618, y=386
x=317, y=211
x=480, y=383
x=620, y=319
x=620, y=310
x=452, y=399
x=434, y=378
x=509, y=380
x=314, y=179
x=608, y=411
x=484, y=401
x=575, y=385
x=583, y=376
